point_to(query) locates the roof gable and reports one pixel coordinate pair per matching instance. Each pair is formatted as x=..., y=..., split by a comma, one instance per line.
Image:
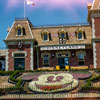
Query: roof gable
x=23, y=24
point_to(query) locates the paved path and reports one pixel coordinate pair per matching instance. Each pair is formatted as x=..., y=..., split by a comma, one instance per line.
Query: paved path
x=49, y=96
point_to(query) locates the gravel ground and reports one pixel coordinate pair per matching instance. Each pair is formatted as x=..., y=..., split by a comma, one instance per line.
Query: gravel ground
x=4, y=82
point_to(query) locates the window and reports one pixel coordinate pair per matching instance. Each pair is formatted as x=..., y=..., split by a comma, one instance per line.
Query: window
x=62, y=35
x=79, y=35
x=19, y=55
x=19, y=61
x=62, y=39
x=45, y=37
x=46, y=60
x=81, y=59
x=19, y=32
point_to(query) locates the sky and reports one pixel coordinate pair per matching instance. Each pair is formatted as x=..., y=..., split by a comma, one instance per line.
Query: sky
x=44, y=12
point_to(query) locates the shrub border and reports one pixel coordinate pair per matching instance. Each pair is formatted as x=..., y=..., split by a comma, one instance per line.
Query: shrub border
x=12, y=79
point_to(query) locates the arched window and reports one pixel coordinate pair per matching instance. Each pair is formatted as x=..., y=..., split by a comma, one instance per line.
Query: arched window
x=20, y=31
x=80, y=34
x=45, y=35
x=62, y=36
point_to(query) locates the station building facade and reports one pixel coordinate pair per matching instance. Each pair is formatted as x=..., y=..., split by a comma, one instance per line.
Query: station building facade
x=75, y=45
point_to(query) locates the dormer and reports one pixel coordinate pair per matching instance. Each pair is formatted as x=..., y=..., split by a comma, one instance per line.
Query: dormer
x=45, y=34
x=63, y=36
x=80, y=34
x=19, y=30
x=62, y=33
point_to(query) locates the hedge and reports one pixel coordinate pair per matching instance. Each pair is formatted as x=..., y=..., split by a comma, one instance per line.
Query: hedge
x=89, y=81
x=13, y=79
x=6, y=72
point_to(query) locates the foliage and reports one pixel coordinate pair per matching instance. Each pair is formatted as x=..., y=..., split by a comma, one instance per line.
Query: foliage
x=12, y=76
x=13, y=79
x=89, y=81
x=6, y=72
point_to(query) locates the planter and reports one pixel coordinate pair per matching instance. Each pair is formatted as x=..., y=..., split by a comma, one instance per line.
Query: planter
x=57, y=67
x=67, y=67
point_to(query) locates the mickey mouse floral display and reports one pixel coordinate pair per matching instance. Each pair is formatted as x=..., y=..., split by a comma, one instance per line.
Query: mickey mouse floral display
x=53, y=83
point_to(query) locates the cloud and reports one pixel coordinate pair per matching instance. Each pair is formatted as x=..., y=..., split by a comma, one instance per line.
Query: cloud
x=14, y=3
x=50, y=4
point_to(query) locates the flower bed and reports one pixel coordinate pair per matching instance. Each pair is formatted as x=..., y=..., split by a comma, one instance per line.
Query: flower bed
x=81, y=75
x=53, y=83
x=30, y=77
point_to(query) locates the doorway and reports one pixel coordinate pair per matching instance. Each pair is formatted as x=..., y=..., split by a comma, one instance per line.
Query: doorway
x=19, y=64
x=62, y=62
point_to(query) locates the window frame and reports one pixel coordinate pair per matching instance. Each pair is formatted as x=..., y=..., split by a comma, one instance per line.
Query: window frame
x=62, y=40
x=45, y=32
x=62, y=31
x=47, y=60
x=79, y=60
x=78, y=32
x=44, y=38
x=20, y=32
x=17, y=28
x=64, y=35
x=18, y=57
x=42, y=56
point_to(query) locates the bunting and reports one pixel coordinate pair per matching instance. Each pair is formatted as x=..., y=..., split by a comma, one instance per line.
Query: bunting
x=71, y=34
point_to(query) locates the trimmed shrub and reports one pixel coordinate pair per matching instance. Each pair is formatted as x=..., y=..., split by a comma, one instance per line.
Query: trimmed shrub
x=12, y=76
x=6, y=72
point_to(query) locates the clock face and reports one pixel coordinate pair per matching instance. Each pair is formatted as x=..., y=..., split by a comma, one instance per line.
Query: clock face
x=53, y=83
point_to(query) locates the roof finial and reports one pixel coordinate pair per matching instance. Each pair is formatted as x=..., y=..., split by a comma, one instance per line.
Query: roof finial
x=8, y=29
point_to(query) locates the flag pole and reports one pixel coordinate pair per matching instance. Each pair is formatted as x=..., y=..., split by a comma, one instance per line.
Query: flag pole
x=24, y=9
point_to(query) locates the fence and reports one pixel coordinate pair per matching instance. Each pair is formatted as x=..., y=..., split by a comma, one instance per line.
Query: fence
x=71, y=95
x=65, y=96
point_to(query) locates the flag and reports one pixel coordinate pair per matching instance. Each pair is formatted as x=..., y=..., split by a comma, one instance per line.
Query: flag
x=54, y=35
x=71, y=34
x=30, y=2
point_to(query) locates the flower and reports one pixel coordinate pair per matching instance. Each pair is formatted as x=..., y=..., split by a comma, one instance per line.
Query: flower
x=53, y=83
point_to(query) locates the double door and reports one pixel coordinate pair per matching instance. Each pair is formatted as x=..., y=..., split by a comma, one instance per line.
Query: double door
x=62, y=62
